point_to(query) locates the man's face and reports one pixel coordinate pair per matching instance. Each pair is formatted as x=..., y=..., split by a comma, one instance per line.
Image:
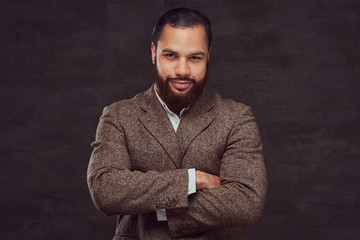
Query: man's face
x=180, y=68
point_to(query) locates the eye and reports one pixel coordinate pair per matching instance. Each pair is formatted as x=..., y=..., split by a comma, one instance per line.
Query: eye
x=195, y=58
x=170, y=56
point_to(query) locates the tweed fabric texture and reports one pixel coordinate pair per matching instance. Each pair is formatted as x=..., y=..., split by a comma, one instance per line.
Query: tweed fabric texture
x=139, y=164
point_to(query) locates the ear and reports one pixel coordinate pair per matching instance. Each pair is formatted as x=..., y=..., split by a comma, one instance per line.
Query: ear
x=153, y=52
x=208, y=57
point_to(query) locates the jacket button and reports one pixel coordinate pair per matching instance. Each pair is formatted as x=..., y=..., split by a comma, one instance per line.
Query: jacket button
x=160, y=204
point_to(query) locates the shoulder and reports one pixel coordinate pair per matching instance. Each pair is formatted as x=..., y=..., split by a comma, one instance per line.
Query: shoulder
x=229, y=108
x=125, y=108
x=235, y=116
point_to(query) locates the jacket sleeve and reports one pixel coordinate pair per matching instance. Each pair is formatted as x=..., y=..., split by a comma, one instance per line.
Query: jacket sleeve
x=240, y=198
x=116, y=189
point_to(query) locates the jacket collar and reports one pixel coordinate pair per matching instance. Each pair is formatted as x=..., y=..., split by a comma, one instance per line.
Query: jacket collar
x=195, y=120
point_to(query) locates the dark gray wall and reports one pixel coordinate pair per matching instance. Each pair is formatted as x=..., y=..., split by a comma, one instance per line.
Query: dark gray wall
x=295, y=62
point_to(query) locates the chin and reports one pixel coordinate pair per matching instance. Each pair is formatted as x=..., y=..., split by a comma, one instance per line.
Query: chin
x=178, y=97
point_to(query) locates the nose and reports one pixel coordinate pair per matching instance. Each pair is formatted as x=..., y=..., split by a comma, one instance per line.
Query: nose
x=182, y=68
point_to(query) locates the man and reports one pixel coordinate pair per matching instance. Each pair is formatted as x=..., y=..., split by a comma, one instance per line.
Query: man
x=178, y=161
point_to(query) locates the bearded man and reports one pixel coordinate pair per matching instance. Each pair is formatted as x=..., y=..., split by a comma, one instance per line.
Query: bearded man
x=178, y=161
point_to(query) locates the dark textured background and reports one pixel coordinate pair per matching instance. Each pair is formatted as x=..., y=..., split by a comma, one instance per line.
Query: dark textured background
x=295, y=62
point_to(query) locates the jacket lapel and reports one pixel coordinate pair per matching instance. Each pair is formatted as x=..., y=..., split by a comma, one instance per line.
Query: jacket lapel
x=196, y=120
x=158, y=124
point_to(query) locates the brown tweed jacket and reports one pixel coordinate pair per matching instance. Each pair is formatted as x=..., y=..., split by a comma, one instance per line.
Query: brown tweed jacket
x=139, y=164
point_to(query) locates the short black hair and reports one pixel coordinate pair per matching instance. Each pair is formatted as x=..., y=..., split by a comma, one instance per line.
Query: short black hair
x=182, y=17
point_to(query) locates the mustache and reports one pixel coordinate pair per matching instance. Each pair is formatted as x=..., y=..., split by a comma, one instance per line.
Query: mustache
x=180, y=78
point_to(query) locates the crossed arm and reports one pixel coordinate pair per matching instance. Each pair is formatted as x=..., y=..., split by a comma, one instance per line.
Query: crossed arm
x=206, y=180
x=234, y=198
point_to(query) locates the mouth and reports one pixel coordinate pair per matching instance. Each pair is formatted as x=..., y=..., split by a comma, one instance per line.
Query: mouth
x=180, y=85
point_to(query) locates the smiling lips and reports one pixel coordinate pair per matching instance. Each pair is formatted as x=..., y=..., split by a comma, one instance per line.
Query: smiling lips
x=180, y=85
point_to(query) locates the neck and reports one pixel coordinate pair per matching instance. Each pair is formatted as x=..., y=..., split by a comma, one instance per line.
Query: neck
x=174, y=109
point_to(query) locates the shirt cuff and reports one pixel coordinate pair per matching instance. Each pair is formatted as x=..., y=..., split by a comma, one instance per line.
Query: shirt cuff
x=192, y=181
x=161, y=215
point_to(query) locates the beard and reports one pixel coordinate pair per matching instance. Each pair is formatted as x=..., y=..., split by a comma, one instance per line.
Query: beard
x=177, y=100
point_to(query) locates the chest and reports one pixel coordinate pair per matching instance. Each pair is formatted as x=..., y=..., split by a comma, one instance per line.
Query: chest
x=154, y=151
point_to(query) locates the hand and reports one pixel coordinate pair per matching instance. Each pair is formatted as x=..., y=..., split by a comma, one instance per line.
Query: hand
x=206, y=180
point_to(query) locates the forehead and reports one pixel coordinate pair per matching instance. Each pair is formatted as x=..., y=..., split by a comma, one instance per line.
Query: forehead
x=181, y=38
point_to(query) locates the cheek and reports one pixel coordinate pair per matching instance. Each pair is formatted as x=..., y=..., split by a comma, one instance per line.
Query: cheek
x=199, y=71
x=164, y=68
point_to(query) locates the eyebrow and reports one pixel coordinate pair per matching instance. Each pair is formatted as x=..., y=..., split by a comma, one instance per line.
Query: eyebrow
x=168, y=50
